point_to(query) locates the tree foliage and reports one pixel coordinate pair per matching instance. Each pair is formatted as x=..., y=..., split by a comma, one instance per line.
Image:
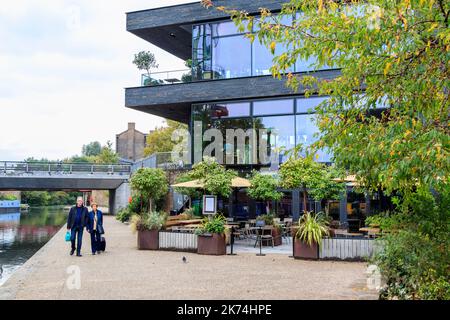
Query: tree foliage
x=160, y=140
x=312, y=178
x=391, y=54
x=216, y=179
x=149, y=184
x=145, y=60
x=264, y=187
x=92, y=149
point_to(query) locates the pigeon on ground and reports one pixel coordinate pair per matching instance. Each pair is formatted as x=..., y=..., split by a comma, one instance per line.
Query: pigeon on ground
x=1, y=271
x=184, y=259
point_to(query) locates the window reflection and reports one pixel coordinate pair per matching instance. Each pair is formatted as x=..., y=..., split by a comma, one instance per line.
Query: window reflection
x=306, y=135
x=280, y=133
x=307, y=105
x=273, y=107
x=231, y=57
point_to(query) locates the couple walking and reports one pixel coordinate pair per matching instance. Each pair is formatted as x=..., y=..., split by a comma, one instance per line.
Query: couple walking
x=80, y=218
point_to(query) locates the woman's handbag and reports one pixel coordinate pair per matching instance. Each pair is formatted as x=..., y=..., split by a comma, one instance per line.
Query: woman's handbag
x=67, y=236
x=100, y=229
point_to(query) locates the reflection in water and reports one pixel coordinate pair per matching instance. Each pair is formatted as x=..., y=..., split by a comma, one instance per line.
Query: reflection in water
x=23, y=234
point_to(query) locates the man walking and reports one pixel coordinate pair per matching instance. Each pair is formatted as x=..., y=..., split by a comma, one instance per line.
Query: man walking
x=77, y=220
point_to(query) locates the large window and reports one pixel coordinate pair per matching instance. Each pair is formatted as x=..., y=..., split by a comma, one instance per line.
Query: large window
x=231, y=57
x=276, y=128
x=306, y=129
x=279, y=134
x=221, y=51
x=273, y=107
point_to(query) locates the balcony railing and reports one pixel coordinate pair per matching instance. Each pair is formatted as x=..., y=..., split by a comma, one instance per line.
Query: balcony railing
x=166, y=77
x=162, y=160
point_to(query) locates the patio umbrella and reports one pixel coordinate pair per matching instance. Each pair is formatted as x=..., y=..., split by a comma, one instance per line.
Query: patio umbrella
x=350, y=180
x=197, y=184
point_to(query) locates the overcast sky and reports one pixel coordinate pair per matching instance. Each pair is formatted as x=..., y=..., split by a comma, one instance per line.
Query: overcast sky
x=63, y=67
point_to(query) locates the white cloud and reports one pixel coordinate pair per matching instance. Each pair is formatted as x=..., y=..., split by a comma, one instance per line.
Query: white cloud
x=63, y=67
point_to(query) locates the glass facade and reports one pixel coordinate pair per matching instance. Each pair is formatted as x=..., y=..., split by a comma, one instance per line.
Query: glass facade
x=278, y=125
x=221, y=51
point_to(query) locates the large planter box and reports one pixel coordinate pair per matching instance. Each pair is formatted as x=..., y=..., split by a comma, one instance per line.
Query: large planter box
x=148, y=240
x=304, y=251
x=214, y=245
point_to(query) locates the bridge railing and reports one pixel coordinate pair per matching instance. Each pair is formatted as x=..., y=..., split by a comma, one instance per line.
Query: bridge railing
x=162, y=160
x=19, y=168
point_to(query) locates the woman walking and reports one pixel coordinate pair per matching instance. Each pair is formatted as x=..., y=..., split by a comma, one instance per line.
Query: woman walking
x=95, y=228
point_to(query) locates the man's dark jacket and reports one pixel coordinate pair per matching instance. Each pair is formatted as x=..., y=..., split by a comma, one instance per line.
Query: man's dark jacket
x=73, y=215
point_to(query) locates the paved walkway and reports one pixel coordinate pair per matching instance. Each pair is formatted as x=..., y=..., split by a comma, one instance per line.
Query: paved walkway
x=123, y=272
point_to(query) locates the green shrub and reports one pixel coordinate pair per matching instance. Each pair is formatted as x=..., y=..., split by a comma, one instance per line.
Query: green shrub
x=124, y=215
x=312, y=228
x=148, y=221
x=157, y=221
x=414, y=258
x=212, y=225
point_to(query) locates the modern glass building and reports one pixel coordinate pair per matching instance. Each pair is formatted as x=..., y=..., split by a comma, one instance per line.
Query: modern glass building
x=229, y=87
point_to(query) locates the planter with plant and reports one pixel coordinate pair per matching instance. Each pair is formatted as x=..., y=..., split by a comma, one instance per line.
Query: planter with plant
x=309, y=234
x=211, y=236
x=147, y=226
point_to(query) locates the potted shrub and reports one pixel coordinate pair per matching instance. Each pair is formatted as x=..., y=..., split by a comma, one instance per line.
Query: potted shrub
x=308, y=237
x=211, y=236
x=147, y=227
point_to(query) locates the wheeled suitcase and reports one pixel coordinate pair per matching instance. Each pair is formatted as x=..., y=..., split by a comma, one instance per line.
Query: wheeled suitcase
x=102, y=244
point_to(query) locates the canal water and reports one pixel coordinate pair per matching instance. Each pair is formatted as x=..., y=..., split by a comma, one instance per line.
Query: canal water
x=22, y=234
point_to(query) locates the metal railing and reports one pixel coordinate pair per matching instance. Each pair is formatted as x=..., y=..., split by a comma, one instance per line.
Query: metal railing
x=166, y=77
x=21, y=168
x=162, y=160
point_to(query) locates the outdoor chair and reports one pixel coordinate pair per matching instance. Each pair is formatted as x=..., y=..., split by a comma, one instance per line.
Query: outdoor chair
x=264, y=235
x=286, y=233
x=250, y=233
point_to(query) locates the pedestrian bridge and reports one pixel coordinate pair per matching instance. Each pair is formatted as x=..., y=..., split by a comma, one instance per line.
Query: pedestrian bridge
x=62, y=176
x=58, y=176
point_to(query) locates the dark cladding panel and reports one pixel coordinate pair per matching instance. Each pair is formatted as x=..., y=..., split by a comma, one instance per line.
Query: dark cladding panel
x=193, y=13
x=174, y=101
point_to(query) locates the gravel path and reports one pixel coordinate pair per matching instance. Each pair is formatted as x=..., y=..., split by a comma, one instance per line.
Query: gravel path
x=123, y=272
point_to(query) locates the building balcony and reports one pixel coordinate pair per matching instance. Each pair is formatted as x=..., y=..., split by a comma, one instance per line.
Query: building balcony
x=173, y=99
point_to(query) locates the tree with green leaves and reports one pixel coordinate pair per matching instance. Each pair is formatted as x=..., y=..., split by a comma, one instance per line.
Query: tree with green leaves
x=160, y=140
x=150, y=184
x=312, y=178
x=264, y=187
x=216, y=179
x=386, y=119
x=92, y=149
x=145, y=60
x=107, y=155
